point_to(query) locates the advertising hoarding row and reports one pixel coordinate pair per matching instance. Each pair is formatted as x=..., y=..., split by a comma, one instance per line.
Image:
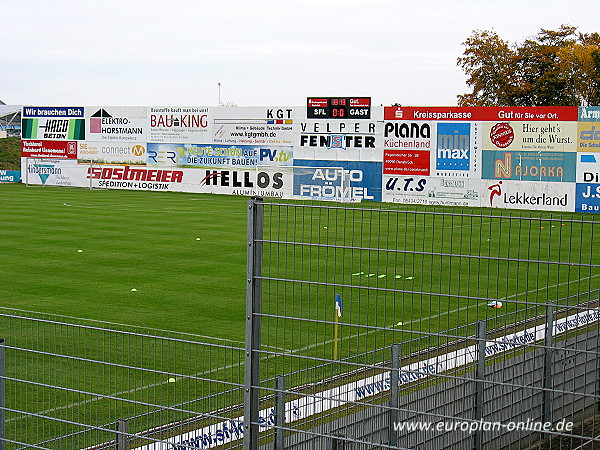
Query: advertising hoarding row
x=524, y=158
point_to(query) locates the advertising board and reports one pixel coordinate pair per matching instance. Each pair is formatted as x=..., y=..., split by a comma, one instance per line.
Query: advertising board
x=530, y=128
x=436, y=141
x=512, y=194
x=53, y=123
x=132, y=153
x=358, y=139
x=253, y=126
x=48, y=149
x=528, y=165
x=337, y=180
x=588, y=136
x=117, y=123
x=179, y=124
x=431, y=190
x=587, y=193
x=217, y=155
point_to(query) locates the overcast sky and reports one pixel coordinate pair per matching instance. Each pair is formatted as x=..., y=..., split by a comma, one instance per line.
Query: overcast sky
x=263, y=52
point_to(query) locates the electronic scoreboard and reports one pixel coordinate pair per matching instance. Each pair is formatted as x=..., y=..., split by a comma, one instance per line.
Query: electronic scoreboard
x=338, y=108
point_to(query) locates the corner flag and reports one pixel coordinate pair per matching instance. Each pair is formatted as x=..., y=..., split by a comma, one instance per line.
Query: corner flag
x=336, y=316
x=338, y=305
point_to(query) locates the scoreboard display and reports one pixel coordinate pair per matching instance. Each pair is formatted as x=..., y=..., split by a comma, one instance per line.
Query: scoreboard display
x=338, y=108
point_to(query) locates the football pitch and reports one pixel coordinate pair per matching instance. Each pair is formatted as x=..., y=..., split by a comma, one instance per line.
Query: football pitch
x=80, y=253
x=177, y=262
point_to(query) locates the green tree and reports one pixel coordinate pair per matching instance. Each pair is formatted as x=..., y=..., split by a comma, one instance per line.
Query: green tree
x=554, y=68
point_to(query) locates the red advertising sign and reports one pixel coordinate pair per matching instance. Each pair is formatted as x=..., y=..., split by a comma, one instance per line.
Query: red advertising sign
x=529, y=114
x=482, y=114
x=436, y=113
x=49, y=149
x=406, y=162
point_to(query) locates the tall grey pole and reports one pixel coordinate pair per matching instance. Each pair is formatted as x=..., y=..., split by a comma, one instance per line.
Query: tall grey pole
x=2, y=394
x=394, y=393
x=279, y=412
x=253, y=331
x=480, y=375
x=548, y=361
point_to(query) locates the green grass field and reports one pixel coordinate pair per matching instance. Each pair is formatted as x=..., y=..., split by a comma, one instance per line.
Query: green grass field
x=185, y=254
x=79, y=253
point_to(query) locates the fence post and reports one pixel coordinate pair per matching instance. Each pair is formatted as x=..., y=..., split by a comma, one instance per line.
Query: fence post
x=337, y=443
x=2, y=394
x=479, y=385
x=253, y=331
x=548, y=362
x=279, y=412
x=394, y=393
x=122, y=439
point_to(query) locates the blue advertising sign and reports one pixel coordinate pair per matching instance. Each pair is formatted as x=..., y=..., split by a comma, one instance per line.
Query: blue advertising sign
x=589, y=114
x=51, y=111
x=217, y=155
x=338, y=180
x=528, y=165
x=587, y=197
x=453, y=146
x=10, y=176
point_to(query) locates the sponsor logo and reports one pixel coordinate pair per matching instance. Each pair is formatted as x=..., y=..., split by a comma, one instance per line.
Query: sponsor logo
x=590, y=137
x=179, y=121
x=279, y=116
x=589, y=113
x=335, y=183
x=407, y=130
x=102, y=122
x=233, y=178
x=339, y=135
x=405, y=184
x=44, y=171
x=137, y=174
x=495, y=191
x=48, y=111
x=138, y=150
x=502, y=135
x=453, y=146
x=274, y=155
x=503, y=168
x=49, y=149
x=591, y=177
x=523, y=198
x=10, y=176
x=337, y=141
x=588, y=197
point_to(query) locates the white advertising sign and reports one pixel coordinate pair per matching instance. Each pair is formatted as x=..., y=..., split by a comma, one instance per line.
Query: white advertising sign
x=510, y=194
x=339, y=139
x=253, y=126
x=112, y=152
x=180, y=124
x=117, y=123
x=442, y=191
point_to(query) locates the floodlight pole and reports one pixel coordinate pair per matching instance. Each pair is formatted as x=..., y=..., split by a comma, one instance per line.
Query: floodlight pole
x=219, y=85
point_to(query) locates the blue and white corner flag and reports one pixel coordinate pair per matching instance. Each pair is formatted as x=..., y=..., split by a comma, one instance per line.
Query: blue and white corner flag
x=338, y=305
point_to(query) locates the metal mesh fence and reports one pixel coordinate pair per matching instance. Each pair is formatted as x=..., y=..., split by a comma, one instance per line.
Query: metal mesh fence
x=390, y=318
x=379, y=326
x=71, y=383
